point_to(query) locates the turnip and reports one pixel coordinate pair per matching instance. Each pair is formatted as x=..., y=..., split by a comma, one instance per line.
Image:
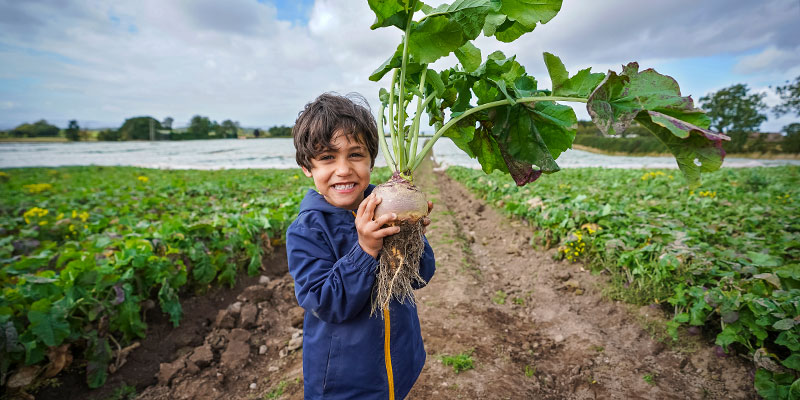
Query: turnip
x=511, y=125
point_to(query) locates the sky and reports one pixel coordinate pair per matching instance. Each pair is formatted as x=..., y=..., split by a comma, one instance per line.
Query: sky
x=259, y=62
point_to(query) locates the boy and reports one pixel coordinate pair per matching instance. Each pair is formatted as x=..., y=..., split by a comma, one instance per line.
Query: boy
x=333, y=247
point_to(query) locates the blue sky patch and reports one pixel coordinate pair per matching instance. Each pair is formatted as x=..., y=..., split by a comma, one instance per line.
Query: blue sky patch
x=292, y=10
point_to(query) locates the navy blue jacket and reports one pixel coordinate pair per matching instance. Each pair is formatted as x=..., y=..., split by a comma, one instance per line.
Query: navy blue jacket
x=343, y=347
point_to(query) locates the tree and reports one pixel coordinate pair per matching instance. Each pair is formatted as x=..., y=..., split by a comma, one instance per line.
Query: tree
x=736, y=112
x=791, y=143
x=256, y=133
x=137, y=128
x=790, y=95
x=73, y=131
x=280, y=131
x=37, y=129
x=229, y=129
x=168, y=123
x=199, y=127
x=108, y=135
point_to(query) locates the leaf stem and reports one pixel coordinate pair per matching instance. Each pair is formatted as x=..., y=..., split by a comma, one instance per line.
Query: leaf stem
x=412, y=153
x=391, y=120
x=425, y=103
x=401, y=102
x=382, y=141
x=482, y=107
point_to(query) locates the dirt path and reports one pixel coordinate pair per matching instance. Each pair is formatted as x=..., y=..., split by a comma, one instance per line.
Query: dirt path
x=534, y=328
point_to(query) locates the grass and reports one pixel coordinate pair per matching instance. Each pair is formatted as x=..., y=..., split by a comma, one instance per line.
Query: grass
x=460, y=362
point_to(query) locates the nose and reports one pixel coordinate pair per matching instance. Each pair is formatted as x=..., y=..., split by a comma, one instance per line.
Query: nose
x=343, y=168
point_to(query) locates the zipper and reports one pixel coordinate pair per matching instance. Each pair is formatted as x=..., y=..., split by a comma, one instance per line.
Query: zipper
x=387, y=346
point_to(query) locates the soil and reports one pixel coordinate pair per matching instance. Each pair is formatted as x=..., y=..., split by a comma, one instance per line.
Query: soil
x=533, y=327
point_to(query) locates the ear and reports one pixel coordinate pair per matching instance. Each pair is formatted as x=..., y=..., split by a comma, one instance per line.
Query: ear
x=307, y=172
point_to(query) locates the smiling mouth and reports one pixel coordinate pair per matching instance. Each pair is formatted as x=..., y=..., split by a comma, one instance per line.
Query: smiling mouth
x=344, y=186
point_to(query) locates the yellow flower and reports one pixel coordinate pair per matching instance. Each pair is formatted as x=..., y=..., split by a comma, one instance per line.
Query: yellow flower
x=37, y=187
x=42, y=223
x=143, y=179
x=84, y=216
x=651, y=175
x=708, y=193
x=74, y=214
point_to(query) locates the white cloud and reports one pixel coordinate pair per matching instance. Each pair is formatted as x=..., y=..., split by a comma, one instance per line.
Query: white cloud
x=770, y=59
x=109, y=60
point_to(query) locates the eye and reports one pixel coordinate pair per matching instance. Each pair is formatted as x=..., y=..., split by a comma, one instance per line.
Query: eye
x=325, y=157
x=356, y=155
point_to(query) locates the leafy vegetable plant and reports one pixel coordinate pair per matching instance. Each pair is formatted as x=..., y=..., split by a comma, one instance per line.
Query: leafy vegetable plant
x=495, y=112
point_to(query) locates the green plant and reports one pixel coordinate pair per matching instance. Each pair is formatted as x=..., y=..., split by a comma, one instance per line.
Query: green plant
x=499, y=297
x=495, y=112
x=277, y=391
x=515, y=124
x=530, y=371
x=460, y=362
x=649, y=378
x=124, y=392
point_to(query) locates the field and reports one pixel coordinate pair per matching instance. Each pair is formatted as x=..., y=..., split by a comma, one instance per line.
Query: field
x=87, y=251
x=723, y=259
x=84, y=248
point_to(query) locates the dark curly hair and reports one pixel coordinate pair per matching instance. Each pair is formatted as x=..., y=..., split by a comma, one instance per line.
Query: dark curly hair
x=330, y=114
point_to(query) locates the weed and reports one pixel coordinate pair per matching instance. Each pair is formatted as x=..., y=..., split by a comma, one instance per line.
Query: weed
x=598, y=349
x=530, y=371
x=499, y=297
x=276, y=392
x=124, y=392
x=650, y=378
x=460, y=362
x=519, y=301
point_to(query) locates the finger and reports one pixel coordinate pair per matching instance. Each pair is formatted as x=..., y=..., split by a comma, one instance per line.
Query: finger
x=430, y=206
x=369, y=210
x=362, y=206
x=385, y=219
x=388, y=231
x=426, y=221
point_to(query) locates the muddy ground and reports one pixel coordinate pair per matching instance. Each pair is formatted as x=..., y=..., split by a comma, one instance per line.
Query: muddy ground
x=533, y=328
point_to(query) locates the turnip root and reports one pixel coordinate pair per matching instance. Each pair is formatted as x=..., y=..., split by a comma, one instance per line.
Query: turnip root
x=398, y=264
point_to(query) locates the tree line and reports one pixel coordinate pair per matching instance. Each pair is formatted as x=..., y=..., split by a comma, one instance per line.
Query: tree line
x=149, y=128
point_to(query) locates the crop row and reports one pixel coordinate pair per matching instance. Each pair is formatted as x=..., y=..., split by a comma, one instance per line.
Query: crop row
x=85, y=251
x=724, y=258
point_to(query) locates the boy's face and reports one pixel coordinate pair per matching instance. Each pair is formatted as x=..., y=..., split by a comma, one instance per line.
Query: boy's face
x=342, y=174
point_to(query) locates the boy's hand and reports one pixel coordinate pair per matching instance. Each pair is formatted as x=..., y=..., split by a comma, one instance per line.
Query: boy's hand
x=425, y=220
x=370, y=234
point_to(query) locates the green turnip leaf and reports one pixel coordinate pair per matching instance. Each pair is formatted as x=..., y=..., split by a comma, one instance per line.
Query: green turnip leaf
x=48, y=323
x=469, y=56
x=391, y=12
x=580, y=85
x=700, y=151
x=447, y=29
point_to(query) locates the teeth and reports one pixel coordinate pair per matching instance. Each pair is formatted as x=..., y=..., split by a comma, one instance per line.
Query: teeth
x=344, y=187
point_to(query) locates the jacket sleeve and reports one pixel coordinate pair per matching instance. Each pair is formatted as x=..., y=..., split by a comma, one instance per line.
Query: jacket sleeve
x=332, y=290
x=427, y=265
